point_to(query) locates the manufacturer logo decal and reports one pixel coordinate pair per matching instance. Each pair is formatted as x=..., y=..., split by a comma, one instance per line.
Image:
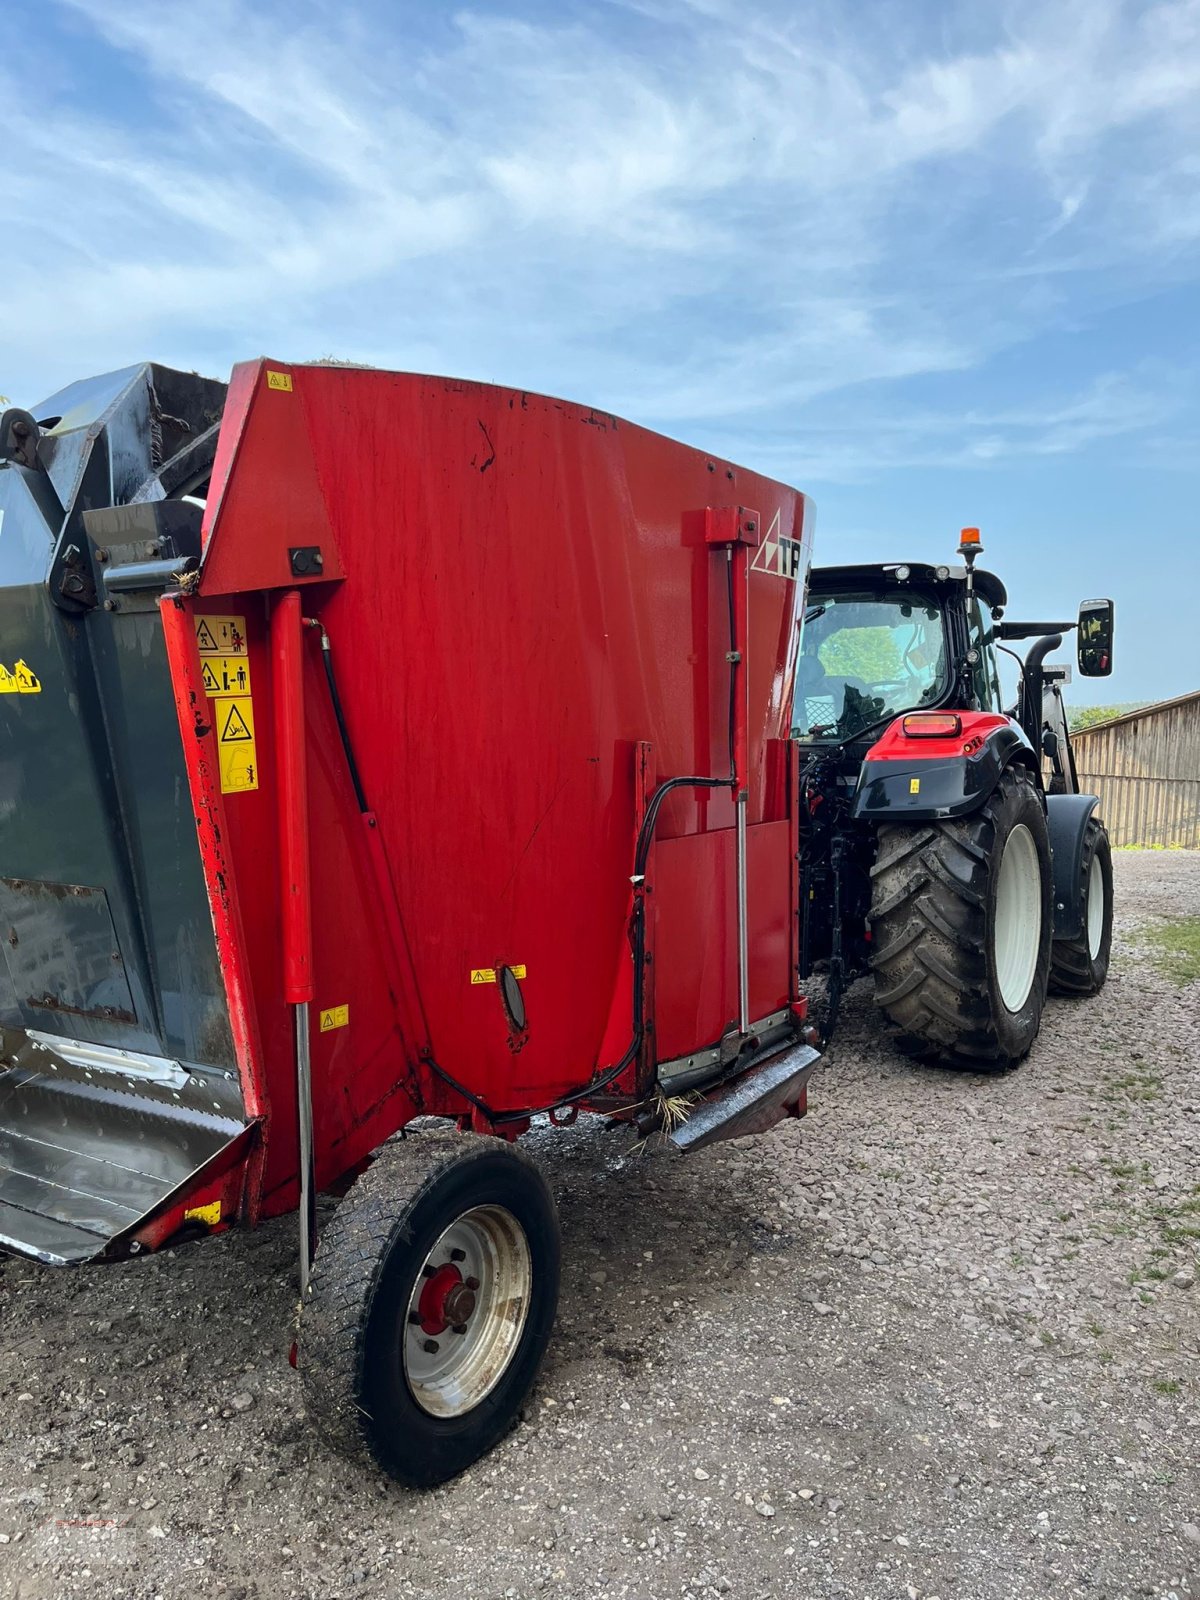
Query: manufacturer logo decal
x=778, y=554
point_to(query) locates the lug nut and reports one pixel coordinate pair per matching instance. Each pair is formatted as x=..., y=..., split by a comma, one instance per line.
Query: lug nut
x=458, y=1255
x=427, y=1271
x=459, y=1327
x=414, y=1316
x=431, y=1347
x=471, y=1283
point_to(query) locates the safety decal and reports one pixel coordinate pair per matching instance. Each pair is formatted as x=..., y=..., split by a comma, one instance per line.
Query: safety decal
x=335, y=1017
x=225, y=673
x=236, y=748
x=19, y=680
x=221, y=636
x=210, y=1213
x=778, y=554
x=279, y=380
x=488, y=974
x=914, y=786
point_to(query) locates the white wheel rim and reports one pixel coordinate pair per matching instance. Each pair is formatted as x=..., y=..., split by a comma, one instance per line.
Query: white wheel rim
x=1095, y=907
x=1018, y=926
x=481, y=1272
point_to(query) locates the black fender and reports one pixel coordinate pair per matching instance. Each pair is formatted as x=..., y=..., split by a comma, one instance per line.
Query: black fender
x=933, y=787
x=1067, y=816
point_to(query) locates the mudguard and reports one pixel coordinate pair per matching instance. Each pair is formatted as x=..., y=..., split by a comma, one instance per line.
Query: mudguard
x=1067, y=816
x=906, y=779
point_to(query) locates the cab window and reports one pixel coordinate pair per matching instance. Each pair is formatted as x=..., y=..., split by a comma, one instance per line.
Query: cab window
x=985, y=678
x=863, y=659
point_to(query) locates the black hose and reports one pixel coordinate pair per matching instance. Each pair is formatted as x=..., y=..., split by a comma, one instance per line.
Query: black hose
x=344, y=732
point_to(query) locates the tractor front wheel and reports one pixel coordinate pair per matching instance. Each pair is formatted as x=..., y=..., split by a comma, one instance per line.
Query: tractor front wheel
x=432, y=1298
x=960, y=921
x=1079, y=966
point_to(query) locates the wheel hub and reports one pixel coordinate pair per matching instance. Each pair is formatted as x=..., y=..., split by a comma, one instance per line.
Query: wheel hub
x=467, y=1311
x=446, y=1300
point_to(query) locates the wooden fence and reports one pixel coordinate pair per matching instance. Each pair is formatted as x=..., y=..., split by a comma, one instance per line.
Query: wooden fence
x=1146, y=769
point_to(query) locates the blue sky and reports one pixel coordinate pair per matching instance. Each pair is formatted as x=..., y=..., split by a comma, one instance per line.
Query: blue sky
x=933, y=263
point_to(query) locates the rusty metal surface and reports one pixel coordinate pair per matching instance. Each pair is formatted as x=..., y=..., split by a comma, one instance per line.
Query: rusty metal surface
x=752, y=1103
x=60, y=947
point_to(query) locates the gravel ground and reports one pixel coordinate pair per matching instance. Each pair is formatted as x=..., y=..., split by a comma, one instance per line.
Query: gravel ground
x=940, y=1339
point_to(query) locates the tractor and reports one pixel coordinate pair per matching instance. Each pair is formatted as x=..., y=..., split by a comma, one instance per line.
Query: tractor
x=945, y=848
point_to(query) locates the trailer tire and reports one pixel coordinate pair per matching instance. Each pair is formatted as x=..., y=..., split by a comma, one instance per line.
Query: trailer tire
x=1080, y=966
x=385, y=1375
x=960, y=923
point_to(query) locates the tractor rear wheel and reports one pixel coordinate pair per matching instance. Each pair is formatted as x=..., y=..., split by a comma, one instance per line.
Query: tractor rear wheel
x=1079, y=966
x=432, y=1298
x=960, y=922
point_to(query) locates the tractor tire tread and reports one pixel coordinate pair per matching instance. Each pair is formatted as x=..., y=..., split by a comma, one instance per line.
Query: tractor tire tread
x=930, y=889
x=1074, y=972
x=352, y=1251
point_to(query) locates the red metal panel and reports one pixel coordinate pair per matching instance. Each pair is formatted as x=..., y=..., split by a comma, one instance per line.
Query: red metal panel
x=696, y=995
x=273, y=502
x=528, y=595
x=895, y=745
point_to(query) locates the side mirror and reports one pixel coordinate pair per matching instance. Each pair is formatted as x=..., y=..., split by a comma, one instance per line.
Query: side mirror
x=1095, y=638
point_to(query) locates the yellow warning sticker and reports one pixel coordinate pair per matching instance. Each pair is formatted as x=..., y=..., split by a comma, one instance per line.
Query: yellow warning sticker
x=914, y=786
x=279, y=380
x=21, y=679
x=225, y=672
x=221, y=636
x=488, y=974
x=238, y=753
x=334, y=1017
x=210, y=1213
x=225, y=675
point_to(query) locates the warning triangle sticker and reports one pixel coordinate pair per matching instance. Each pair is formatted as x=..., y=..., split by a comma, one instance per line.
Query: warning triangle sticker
x=235, y=727
x=210, y=678
x=205, y=640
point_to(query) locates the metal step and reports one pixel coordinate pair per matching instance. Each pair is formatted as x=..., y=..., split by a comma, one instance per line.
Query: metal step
x=87, y=1154
x=751, y=1103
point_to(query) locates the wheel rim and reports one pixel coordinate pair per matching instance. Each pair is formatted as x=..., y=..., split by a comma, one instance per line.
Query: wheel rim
x=467, y=1311
x=1095, y=907
x=1018, y=927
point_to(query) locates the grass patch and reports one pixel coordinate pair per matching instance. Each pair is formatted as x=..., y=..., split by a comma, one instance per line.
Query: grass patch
x=1166, y=1385
x=1176, y=947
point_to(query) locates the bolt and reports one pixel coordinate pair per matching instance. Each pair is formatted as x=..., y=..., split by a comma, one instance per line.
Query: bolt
x=472, y=1283
x=431, y=1347
x=458, y=1255
x=101, y=555
x=111, y=605
x=459, y=1327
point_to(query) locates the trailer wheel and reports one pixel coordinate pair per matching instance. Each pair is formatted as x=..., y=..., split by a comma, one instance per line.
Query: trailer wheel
x=1080, y=966
x=432, y=1298
x=960, y=919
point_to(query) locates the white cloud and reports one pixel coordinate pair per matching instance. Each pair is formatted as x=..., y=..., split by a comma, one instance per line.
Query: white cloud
x=714, y=217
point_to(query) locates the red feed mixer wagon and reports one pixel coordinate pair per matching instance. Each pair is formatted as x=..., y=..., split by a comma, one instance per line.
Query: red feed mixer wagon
x=378, y=747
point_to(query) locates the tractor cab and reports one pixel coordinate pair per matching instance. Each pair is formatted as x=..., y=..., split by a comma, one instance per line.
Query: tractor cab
x=879, y=641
